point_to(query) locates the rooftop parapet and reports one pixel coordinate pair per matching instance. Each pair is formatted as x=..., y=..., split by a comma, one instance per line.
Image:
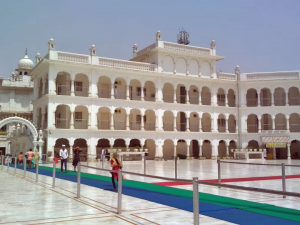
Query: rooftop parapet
x=285, y=75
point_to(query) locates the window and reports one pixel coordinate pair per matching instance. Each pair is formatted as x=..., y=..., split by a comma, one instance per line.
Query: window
x=221, y=98
x=25, y=73
x=78, y=86
x=221, y=122
x=78, y=115
x=20, y=73
x=138, y=119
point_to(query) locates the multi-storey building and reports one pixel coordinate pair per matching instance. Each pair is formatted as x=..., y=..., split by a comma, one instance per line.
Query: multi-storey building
x=168, y=97
x=16, y=95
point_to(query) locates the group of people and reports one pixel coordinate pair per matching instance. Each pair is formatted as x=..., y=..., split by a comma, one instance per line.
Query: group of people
x=115, y=162
x=31, y=158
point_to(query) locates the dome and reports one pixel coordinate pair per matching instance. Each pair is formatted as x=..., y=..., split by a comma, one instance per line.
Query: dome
x=25, y=63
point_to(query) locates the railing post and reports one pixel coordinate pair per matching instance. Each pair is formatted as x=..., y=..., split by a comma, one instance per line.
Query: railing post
x=54, y=172
x=283, y=178
x=2, y=162
x=119, y=211
x=78, y=179
x=16, y=160
x=196, y=201
x=175, y=167
x=8, y=164
x=102, y=159
x=37, y=171
x=145, y=162
x=24, y=163
x=219, y=172
x=87, y=159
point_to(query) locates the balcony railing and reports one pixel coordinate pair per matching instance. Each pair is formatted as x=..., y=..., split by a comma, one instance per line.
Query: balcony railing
x=119, y=125
x=168, y=126
x=168, y=98
x=294, y=101
x=61, y=123
x=194, y=99
x=103, y=124
x=80, y=124
x=63, y=90
x=81, y=91
x=279, y=101
x=232, y=128
x=135, y=96
x=104, y=93
x=221, y=103
x=265, y=102
x=148, y=96
x=251, y=102
x=266, y=126
x=295, y=127
x=134, y=125
x=150, y=126
x=194, y=127
x=221, y=129
x=181, y=126
x=206, y=127
x=181, y=99
x=253, y=128
x=120, y=94
x=206, y=100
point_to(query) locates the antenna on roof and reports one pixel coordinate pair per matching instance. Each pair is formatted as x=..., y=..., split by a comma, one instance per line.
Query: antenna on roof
x=26, y=51
x=183, y=37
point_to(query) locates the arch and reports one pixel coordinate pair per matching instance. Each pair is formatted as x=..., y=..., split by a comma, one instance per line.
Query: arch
x=266, y=122
x=181, y=93
x=104, y=87
x=194, y=122
x=168, y=64
x=206, y=149
x=194, y=95
x=150, y=145
x=231, y=98
x=149, y=91
x=168, y=121
x=181, y=147
x=295, y=149
x=253, y=144
x=135, y=89
x=120, y=88
x=120, y=119
x=181, y=66
x=149, y=120
x=81, y=117
x=58, y=144
x=134, y=143
x=232, y=145
x=82, y=144
x=119, y=143
x=135, y=119
x=251, y=97
x=193, y=67
x=205, y=96
x=231, y=124
x=81, y=85
x=63, y=83
x=62, y=117
x=252, y=123
x=103, y=118
x=168, y=149
x=206, y=122
x=280, y=122
x=181, y=121
x=194, y=149
x=294, y=96
x=102, y=143
x=221, y=123
x=265, y=97
x=279, y=97
x=221, y=97
x=294, y=122
x=205, y=69
x=222, y=148
x=168, y=92
x=24, y=121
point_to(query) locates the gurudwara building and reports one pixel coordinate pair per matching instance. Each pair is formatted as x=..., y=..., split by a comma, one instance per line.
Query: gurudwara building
x=168, y=98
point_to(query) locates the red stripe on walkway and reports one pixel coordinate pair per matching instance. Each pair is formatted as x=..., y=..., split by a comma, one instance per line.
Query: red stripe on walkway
x=244, y=179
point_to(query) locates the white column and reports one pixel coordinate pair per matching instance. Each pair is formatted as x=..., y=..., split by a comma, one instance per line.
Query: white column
x=127, y=92
x=273, y=123
x=236, y=100
x=227, y=131
x=289, y=151
x=236, y=126
x=54, y=122
x=158, y=95
x=226, y=100
x=175, y=144
x=200, y=125
x=142, y=94
x=200, y=101
x=187, y=150
x=287, y=98
x=212, y=125
x=175, y=96
x=71, y=151
x=287, y=123
x=90, y=89
x=72, y=88
x=188, y=123
x=245, y=97
x=127, y=121
x=40, y=152
x=112, y=92
x=274, y=153
x=187, y=98
x=142, y=121
x=175, y=127
x=156, y=122
x=89, y=120
x=272, y=99
x=259, y=124
x=258, y=100
x=112, y=121
x=43, y=90
x=72, y=120
x=200, y=150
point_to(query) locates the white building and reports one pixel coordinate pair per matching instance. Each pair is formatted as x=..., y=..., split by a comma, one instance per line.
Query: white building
x=16, y=95
x=168, y=97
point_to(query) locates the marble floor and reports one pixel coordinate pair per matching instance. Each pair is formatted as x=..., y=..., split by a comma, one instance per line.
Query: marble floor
x=27, y=202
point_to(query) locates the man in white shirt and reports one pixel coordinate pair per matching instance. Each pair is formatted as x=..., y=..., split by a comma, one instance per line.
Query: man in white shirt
x=63, y=153
x=104, y=154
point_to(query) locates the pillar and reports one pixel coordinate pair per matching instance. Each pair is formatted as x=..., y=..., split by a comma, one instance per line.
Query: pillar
x=227, y=119
x=274, y=153
x=212, y=125
x=175, y=127
x=258, y=100
x=175, y=96
x=259, y=124
x=226, y=100
x=89, y=121
x=236, y=101
x=200, y=125
x=127, y=92
x=273, y=123
x=90, y=89
x=142, y=94
x=289, y=151
x=54, y=113
x=72, y=88
x=71, y=151
x=142, y=121
x=188, y=150
x=127, y=121
x=43, y=90
x=156, y=122
x=287, y=123
x=200, y=150
x=236, y=126
x=40, y=151
x=187, y=98
x=72, y=120
x=287, y=98
x=227, y=150
x=112, y=121
x=272, y=99
x=112, y=93
x=175, y=144
x=200, y=101
x=188, y=123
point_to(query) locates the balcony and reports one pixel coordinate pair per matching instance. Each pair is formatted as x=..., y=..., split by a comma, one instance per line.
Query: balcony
x=168, y=98
x=150, y=126
x=104, y=93
x=119, y=125
x=252, y=102
x=222, y=129
x=206, y=127
x=253, y=128
x=294, y=101
x=149, y=96
x=120, y=94
x=63, y=90
x=194, y=127
x=103, y=124
x=62, y=123
x=168, y=126
x=80, y=124
x=266, y=126
x=181, y=127
x=295, y=127
x=135, y=125
x=81, y=91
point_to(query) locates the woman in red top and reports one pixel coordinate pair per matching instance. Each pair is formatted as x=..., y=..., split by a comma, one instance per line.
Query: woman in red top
x=116, y=165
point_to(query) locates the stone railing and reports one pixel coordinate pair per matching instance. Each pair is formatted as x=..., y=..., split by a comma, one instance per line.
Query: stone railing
x=186, y=48
x=127, y=65
x=72, y=57
x=144, y=50
x=226, y=76
x=273, y=76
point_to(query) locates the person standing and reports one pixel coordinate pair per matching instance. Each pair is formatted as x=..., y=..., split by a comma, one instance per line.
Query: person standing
x=63, y=153
x=29, y=154
x=36, y=157
x=116, y=165
x=20, y=159
x=76, y=159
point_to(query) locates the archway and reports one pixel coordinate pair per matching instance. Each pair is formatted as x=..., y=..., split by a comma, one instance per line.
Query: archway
x=81, y=143
x=58, y=145
x=222, y=149
x=102, y=143
x=206, y=149
x=295, y=149
x=168, y=149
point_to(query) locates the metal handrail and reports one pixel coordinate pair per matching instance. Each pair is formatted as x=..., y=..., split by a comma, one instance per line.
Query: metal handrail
x=259, y=164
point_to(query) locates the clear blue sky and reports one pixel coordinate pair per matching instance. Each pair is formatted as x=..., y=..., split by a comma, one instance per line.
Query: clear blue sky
x=258, y=35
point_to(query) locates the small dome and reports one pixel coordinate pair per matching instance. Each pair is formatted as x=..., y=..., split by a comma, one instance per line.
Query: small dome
x=25, y=63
